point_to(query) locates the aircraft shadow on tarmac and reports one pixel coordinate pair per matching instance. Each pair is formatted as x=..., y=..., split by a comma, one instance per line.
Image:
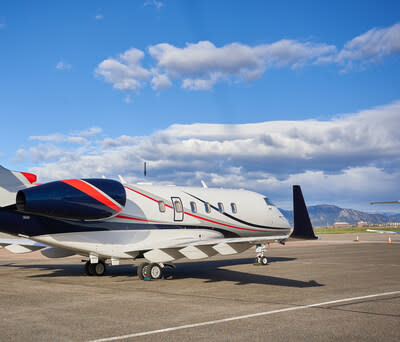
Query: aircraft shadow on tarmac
x=210, y=271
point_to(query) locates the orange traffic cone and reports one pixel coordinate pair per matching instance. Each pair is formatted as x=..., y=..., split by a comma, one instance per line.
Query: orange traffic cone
x=390, y=241
x=357, y=239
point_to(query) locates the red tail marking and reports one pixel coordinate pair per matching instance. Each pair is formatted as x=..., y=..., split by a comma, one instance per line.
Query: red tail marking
x=30, y=177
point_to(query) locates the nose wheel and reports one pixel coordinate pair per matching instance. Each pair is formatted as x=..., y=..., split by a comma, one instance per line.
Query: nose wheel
x=261, y=259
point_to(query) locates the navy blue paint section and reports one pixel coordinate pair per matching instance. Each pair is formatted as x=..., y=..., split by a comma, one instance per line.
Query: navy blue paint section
x=14, y=223
x=235, y=218
x=110, y=187
x=302, y=225
x=60, y=200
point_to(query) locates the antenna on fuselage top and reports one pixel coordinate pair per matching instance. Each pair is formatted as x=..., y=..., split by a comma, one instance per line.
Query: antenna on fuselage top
x=144, y=170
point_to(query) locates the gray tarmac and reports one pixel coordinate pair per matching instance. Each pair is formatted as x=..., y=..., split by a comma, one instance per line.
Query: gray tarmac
x=51, y=300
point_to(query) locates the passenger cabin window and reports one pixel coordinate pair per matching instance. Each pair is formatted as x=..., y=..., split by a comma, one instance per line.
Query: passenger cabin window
x=268, y=202
x=220, y=207
x=193, y=206
x=161, y=206
x=234, y=208
x=207, y=207
x=178, y=206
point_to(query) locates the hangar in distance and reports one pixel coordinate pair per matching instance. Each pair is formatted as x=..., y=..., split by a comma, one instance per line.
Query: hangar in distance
x=106, y=221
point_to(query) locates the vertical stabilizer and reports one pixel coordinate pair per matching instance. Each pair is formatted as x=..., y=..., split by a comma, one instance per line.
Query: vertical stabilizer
x=11, y=182
x=302, y=225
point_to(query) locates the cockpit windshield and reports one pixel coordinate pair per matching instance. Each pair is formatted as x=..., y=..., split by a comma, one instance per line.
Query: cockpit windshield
x=268, y=202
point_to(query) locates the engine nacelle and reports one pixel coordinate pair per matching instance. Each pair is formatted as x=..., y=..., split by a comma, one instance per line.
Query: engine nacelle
x=74, y=199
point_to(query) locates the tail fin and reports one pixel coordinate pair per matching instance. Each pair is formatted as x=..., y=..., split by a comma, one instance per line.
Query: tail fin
x=11, y=182
x=302, y=225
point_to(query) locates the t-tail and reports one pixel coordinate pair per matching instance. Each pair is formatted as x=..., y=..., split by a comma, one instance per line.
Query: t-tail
x=11, y=182
x=303, y=228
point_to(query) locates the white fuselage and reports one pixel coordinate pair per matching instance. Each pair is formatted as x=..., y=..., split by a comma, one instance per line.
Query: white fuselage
x=159, y=217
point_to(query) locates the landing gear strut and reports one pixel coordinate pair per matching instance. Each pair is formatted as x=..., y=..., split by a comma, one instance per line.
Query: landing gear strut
x=261, y=258
x=150, y=271
x=97, y=269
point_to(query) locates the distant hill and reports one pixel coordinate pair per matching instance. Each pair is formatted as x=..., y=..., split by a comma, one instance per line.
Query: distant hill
x=327, y=215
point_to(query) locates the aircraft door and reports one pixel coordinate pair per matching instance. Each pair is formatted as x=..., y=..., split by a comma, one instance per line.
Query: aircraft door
x=178, y=208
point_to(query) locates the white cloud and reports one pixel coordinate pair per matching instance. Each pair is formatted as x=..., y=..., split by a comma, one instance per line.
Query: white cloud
x=63, y=66
x=160, y=81
x=2, y=26
x=126, y=73
x=372, y=45
x=99, y=16
x=201, y=65
x=369, y=47
x=352, y=157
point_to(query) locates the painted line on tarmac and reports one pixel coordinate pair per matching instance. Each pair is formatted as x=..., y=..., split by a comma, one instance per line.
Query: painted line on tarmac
x=195, y=325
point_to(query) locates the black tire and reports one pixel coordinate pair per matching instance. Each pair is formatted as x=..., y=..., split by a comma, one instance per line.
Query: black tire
x=155, y=271
x=264, y=261
x=88, y=269
x=143, y=271
x=99, y=268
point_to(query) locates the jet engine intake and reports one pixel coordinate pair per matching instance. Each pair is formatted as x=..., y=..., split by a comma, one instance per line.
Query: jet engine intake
x=73, y=199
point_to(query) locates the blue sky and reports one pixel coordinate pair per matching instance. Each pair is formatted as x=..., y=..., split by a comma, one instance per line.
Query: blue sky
x=96, y=87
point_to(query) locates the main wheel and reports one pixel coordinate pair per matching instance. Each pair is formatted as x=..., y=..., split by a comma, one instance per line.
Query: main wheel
x=99, y=268
x=264, y=260
x=89, y=269
x=143, y=271
x=155, y=271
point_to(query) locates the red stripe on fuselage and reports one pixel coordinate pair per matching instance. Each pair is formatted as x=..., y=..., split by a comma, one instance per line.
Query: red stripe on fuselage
x=167, y=205
x=198, y=217
x=135, y=219
x=92, y=192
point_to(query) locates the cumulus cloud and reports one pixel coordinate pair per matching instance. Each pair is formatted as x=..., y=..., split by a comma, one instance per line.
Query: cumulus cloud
x=126, y=72
x=99, y=16
x=351, y=157
x=201, y=65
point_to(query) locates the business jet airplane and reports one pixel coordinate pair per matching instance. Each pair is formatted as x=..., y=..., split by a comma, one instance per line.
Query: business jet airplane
x=104, y=220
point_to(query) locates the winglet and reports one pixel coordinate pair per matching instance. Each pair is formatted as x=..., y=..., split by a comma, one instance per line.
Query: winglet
x=302, y=224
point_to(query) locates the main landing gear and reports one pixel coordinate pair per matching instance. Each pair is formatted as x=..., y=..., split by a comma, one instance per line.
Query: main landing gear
x=97, y=269
x=147, y=271
x=261, y=258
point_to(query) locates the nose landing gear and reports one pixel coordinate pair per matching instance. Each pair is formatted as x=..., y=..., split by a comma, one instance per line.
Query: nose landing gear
x=261, y=258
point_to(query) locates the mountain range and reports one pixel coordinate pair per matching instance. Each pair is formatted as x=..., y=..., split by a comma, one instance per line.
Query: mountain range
x=327, y=215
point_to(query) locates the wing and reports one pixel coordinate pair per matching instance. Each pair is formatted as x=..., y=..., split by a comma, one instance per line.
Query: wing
x=21, y=245
x=207, y=248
